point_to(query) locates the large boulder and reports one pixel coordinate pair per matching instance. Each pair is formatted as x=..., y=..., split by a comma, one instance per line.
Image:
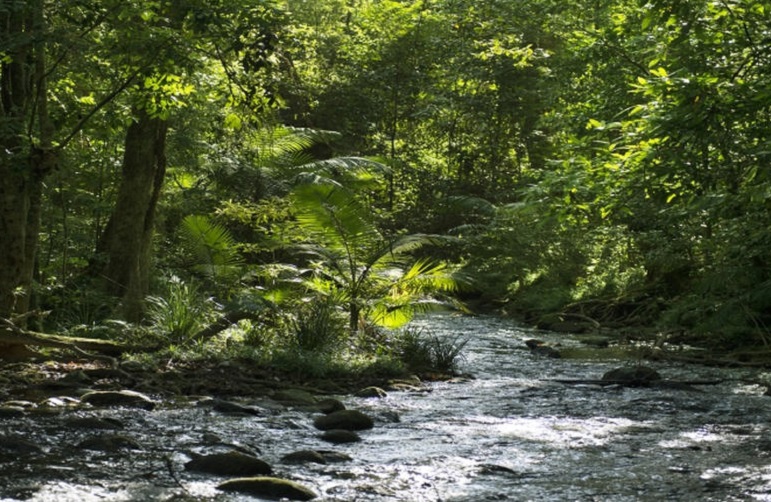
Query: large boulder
x=351, y=420
x=269, y=488
x=232, y=463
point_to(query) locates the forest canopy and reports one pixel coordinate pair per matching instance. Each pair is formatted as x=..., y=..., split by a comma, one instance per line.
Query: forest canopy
x=315, y=170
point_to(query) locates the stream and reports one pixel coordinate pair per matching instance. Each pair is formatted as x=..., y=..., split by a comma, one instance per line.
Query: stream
x=509, y=433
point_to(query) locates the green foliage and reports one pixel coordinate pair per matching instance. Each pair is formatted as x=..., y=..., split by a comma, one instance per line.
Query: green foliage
x=179, y=313
x=317, y=327
x=424, y=352
x=213, y=248
x=358, y=265
x=77, y=309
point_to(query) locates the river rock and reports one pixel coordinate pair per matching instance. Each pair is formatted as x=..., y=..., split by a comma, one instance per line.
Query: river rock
x=126, y=398
x=231, y=408
x=59, y=402
x=296, y=397
x=329, y=405
x=11, y=412
x=304, y=457
x=372, y=391
x=411, y=384
x=94, y=423
x=352, y=420
x=27, y=405
x=540, y=348
x=268, y=487
x=232, y=463
x=632, y=375
x=109, y=442
x=75, y=378
x=19, y=444
x=133, y=366
x=339, y=436
x=332, y=457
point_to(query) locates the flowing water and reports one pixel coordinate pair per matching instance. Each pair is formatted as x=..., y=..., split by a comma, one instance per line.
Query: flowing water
x=510, y=433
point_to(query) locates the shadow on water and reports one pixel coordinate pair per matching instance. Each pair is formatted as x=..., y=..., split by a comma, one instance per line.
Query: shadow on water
x=510, y=433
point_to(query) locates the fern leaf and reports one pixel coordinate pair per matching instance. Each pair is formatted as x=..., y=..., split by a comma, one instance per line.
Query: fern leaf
x=212, y=245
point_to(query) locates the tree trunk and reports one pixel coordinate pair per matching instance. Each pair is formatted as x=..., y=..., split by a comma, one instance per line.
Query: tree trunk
x=128, y=237
x=24, y=161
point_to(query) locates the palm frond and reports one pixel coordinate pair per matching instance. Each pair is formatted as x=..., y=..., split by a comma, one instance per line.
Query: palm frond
x=427, y=275
x=212, y=245
x=352, y=168
x=275, y=145
x=470, y=205
x=334, y=215
x=351, y=172
x=391, y=317
x=405, y=244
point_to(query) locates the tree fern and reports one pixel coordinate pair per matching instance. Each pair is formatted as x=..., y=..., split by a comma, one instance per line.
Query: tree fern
x=374, y=273
x=333, y=215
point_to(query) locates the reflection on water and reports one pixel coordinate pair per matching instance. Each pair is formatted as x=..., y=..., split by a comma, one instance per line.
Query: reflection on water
x=509, y=434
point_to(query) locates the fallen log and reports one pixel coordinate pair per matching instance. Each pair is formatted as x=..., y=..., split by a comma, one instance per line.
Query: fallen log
x=223, y=323
x=14, y=341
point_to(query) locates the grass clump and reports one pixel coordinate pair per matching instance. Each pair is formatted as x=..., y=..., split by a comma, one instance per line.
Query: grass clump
x=318, y=327
x=424, y=352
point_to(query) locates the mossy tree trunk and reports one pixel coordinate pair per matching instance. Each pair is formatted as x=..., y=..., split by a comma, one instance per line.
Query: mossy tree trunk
x=128, y=238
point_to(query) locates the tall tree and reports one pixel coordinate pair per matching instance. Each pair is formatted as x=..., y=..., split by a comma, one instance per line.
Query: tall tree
x=128, y=237
x=26, y=144
x=231, y=39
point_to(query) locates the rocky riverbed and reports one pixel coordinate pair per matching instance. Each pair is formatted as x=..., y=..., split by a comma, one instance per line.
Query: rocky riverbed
x=516, y=431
